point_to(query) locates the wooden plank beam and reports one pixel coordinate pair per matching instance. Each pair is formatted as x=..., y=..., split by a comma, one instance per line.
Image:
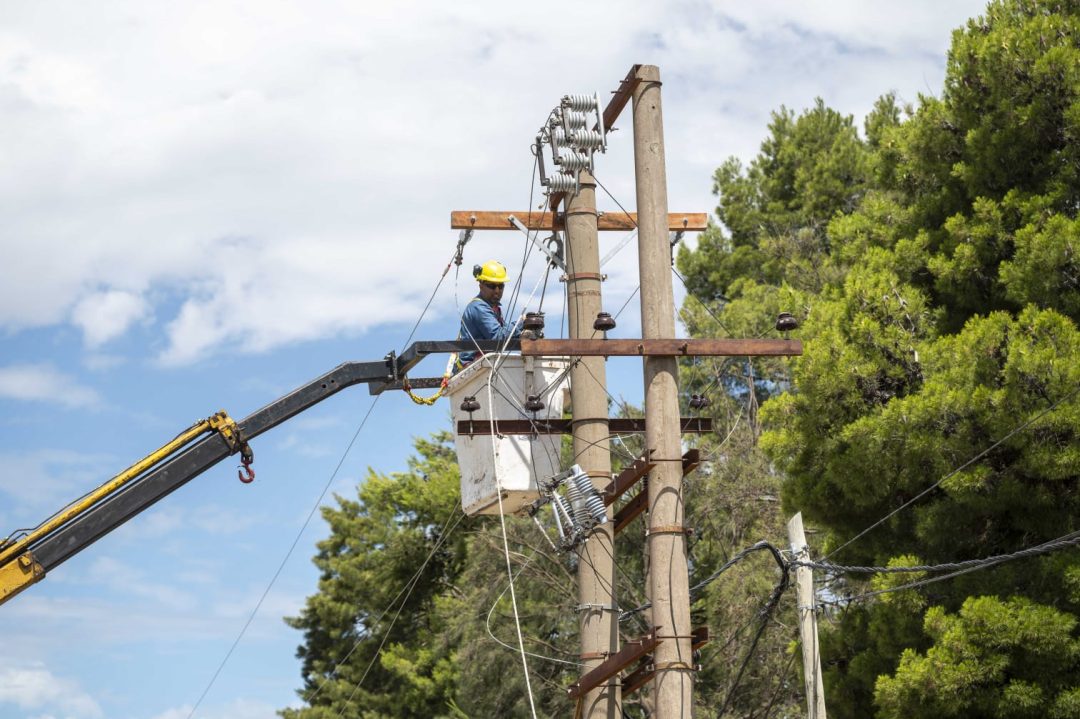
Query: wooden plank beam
x=617, y=425
x=662, y=348
x=630, y=653
x=621, y=96
x=548, y=221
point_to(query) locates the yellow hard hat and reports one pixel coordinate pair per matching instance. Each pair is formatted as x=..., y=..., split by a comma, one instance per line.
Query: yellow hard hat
x=490, y=271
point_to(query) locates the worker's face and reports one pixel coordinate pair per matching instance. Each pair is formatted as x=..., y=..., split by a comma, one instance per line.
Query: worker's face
x=491, y=292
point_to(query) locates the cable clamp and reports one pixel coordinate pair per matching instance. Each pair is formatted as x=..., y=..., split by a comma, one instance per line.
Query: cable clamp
x=583, y=276
x=676, y=666
x=669, y=529
x=600, y=607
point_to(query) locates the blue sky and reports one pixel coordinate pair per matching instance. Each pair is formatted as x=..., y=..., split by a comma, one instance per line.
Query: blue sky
x=206, y=205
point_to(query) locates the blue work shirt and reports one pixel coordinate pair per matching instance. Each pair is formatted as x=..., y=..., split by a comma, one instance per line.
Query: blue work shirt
x=483, y=321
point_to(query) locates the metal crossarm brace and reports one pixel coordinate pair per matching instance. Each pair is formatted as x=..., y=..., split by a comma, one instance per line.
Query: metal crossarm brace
x=644, y=673
x=640, y=502
x=618, y=425
x=628, y=478
x=555, y=258
x=631, y=652
x=662, y=348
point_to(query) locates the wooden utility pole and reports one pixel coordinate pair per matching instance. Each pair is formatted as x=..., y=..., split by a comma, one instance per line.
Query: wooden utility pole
x=665, y=653
x=598, y=618
x=808, y=634
x=669, y=582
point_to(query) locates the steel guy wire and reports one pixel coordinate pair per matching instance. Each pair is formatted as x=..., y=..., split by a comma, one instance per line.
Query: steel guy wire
x=285, y=559
x=628, y=215
x=304, y=526
x=963, y=466
x=1066, y=541
x=705, y=306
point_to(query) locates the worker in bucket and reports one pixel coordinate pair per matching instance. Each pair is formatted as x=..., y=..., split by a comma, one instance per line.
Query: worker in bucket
x=483, y=318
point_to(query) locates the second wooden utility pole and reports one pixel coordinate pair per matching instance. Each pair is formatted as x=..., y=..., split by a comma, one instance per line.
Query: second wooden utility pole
x=598, y=622
x=808, y=634
x=669, y=582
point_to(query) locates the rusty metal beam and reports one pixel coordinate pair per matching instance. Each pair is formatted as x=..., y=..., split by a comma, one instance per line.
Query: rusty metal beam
x=640, y=502
x=630, y=510
x=627, y=478
x=690, y=461
x=630, y=653
x=644, y=672
x=662, y=348
x=548, y=221
x=618, y=425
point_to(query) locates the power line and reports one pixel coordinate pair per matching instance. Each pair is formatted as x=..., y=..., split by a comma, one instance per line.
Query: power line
x=285, y=559
x=409, y=586
x=963, y=466
x=307, y=521
x=1064, y=542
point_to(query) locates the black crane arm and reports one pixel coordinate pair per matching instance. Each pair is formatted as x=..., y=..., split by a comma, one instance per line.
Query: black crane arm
x=26, y=559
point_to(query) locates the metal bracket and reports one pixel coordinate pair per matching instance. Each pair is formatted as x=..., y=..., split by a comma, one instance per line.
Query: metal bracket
x=392, y=366
x=556, y=257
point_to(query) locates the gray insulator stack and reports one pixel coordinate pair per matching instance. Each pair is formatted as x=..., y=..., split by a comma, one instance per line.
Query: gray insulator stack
x=594, y=504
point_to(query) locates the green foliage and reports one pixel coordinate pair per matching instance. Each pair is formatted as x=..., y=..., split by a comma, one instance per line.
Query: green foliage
x=810, y=168
x=376, y=546
x=994, y=658
x=940, y=299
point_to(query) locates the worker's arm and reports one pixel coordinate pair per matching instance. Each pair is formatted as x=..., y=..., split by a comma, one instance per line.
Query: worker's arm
x=479, y=322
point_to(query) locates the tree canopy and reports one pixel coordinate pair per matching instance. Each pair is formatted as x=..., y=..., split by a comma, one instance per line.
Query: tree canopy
x=931, y=255
x=933, y=263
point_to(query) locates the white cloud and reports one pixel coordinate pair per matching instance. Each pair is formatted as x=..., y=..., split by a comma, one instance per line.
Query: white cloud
x=44, y=383
x=47, y=477
x=106, y=315
x=33, y=687
x=257, y=175
x=236, y=709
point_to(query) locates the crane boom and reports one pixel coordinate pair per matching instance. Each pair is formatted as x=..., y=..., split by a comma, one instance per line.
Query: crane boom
x=26, y=559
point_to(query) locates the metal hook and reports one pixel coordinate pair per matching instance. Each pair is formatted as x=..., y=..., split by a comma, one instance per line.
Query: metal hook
x=244, y=472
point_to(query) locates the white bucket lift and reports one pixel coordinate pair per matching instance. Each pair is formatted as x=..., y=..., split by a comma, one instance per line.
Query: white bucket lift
x=512, y=463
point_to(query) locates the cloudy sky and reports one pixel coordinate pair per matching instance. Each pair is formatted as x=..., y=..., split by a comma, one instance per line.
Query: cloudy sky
x=205, y=205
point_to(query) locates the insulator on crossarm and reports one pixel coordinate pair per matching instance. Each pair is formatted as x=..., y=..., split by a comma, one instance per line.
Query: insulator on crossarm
x=558, y=135
x=593, y=502
x=577, y=503
x=581, y=103
x=574, y=161
x=574, y=120
x=587, y=139
x=562, y=183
